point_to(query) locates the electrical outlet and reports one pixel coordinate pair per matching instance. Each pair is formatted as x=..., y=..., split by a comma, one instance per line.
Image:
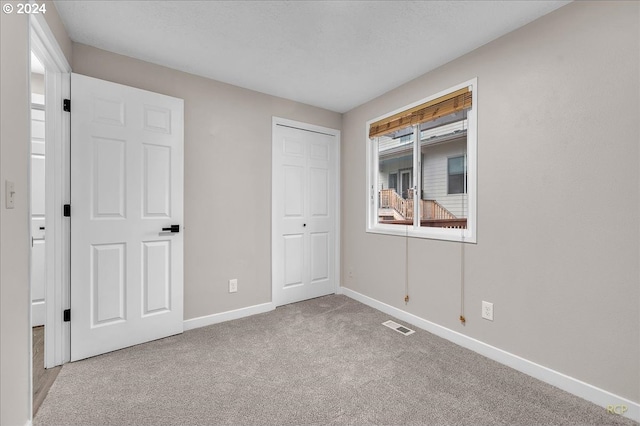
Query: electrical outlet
x=233, y=285
x=487, y=310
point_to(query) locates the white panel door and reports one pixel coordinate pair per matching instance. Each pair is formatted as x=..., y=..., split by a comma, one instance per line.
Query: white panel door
x=38, y=312
x=304, y=216
x=126, y=187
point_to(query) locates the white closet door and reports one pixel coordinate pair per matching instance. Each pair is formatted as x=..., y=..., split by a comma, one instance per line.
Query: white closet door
x=304, y=217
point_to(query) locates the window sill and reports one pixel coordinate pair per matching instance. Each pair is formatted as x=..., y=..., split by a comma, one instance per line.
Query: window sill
x=442, y=234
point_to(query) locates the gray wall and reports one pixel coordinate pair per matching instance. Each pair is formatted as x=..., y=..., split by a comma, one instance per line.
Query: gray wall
x=14, y=245
x=227, y=189
x=558, y=199
x=59, y=31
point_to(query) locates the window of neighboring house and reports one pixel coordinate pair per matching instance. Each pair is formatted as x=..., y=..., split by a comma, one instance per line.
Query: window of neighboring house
x=406, y=182
x=457, y=175
x=425, y=153
x=393, y=181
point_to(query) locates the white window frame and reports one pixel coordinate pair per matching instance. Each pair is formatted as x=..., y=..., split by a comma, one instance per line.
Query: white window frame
x=468, y=235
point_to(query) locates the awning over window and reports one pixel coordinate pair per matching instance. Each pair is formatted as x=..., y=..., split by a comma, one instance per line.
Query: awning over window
x=432, y=110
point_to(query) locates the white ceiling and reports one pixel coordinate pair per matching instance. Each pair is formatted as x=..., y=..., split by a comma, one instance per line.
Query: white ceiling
x=331, y=54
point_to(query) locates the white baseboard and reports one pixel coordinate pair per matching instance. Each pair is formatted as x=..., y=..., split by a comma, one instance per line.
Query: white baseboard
x=203, y=321
x=28, y=423
x=601, y=397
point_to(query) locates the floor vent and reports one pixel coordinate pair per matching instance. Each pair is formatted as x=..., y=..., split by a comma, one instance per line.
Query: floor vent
x=399, y=328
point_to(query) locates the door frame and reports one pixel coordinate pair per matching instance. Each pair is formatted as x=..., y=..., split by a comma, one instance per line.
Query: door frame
x=337, y=240
x=57, y=188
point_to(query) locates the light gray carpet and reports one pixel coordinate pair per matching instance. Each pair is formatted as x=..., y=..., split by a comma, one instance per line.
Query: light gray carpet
x=323, y=361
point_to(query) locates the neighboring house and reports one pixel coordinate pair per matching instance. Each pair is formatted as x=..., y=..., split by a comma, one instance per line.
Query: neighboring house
x=442, y=180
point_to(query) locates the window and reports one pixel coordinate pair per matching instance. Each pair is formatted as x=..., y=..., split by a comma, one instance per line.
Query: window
x=421, y=167
x=457, y=175
x=393, y=180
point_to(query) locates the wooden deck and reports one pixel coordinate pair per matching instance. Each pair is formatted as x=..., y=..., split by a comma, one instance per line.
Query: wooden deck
x=433, y=223
x=399, y=211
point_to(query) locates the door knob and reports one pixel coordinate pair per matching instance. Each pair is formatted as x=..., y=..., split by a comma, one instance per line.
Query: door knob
x=173, y=228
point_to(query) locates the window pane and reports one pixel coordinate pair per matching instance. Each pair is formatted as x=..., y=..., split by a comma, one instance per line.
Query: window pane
x=443, y=147
x=456, y=165
x=457, y=175
x=395, y=177
x=393, y=181
x=456, y=184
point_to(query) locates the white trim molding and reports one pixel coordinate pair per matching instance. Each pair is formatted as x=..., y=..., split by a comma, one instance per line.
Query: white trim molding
x=609, y=401
x=206, y=320
x=49, y=43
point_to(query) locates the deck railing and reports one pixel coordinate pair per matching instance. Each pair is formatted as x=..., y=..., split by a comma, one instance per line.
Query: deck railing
x=433, y=223
x=432, y=213
x=429, y=209
x=390, y=199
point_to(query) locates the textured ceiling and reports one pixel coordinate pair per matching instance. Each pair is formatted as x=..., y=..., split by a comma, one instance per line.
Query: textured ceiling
x=331, y=54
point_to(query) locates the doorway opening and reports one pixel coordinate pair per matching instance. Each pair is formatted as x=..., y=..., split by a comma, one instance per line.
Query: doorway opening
x=49, y=336
x=42, y=378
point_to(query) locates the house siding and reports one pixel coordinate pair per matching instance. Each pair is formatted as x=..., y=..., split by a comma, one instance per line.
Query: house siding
x=393, y=166
x=435, y=176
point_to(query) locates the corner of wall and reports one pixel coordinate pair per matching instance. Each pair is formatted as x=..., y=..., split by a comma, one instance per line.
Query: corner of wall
x=14, y=250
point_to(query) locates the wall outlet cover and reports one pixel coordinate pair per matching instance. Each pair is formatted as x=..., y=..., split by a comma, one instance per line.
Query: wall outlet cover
x=487, y=310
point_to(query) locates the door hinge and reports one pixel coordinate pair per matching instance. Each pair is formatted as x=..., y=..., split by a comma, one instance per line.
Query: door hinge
x=67, y=210
x=66, y=105
x=66, y=315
